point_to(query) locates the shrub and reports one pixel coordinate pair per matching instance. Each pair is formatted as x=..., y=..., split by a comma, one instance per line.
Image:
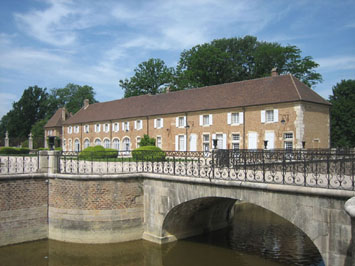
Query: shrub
x=147, y=141
x=97, y=152
x=12, y=150
x=24, y=144
x=148, y=153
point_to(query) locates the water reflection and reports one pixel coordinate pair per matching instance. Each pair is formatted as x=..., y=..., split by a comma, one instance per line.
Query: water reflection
x=257, y=237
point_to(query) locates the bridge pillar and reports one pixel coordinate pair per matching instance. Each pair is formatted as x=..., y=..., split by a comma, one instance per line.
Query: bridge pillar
x=48, y=162
x=350, y=209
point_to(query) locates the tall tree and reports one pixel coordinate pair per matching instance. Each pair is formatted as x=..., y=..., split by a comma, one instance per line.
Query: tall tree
x=236, y=59
x=31, y=107
x=71, y=96
x=151, y=76
x=343, y=114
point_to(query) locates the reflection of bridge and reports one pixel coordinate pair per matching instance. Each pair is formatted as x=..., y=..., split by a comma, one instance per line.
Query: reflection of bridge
x=112, y=200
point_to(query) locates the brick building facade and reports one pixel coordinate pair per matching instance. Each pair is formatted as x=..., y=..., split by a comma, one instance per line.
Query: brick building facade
x=240, y=115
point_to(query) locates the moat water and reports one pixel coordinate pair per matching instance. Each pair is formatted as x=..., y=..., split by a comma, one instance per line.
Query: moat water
x=257, y=237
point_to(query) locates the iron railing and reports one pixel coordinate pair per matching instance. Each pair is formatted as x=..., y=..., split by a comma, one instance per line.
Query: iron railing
x=19, y=163
x=332, y=169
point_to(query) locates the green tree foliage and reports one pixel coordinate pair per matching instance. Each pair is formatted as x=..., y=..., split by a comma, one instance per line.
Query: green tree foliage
x=343, y=114
x=236, y=59
x=71, y=96
x=38, y=133
x=147, y=141
x=31, y=108
x=151, y=76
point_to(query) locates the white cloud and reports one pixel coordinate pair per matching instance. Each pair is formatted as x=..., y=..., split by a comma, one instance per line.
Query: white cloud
x=337, y=63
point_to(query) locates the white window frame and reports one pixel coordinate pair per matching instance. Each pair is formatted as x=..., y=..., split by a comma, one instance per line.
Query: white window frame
x=86, y=129
x=265, y=117
x=97, y=140
x=116, y=144
x=106, y=127
x=178, y=146
x=288, y=141
x=239, y=120
x=205, y=143
x=124, y=144
x=125, y=126
x=223, y=143
x=116, y=127
x=138, y=124
x=70, y=130
x=206, y=120
x=106, y=140
x=97, y=128
x=158, y=123
x=159, y=142
x=181, y=119
x=235, y=141
x=85, y=143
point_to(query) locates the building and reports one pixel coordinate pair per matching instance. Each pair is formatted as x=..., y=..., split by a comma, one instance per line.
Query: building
x=241, y=115
x=54, y=125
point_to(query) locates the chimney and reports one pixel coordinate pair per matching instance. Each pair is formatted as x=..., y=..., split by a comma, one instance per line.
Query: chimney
x=86, y=103
x=274, y=72
x=64, y=114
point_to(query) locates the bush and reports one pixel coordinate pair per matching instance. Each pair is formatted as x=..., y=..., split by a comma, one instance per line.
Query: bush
x=97, y=152
x=24, y=144
x=147, y=141
x=12, y=150
x=148, y=153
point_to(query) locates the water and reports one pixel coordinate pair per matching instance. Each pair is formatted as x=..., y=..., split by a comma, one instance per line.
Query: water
x=257, y=237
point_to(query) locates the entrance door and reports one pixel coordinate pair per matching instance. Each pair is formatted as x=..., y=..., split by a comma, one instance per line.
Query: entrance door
x=252, y=140
x=270, y=137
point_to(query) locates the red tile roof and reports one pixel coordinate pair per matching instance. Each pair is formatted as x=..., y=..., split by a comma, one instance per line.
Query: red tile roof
x=269, y=90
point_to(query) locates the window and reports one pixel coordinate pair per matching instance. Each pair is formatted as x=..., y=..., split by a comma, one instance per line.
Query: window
x=181, y=143
x=206, y=142
x=206, y=120
x=138, y=140
x=125, y=126
x=70, y=145
x=138, y=125
x=97, y=128
x=288, y=140
x=116, y=127
x=107, y=128
x=76, y=145
x=70, y=129
x=181, y=121
x=235, y=118
x=126, y=144
x=158, y=123
x=159, y=142
x=86, y=128
x=86, y=143
x=76, y=129
x=219, y=138
x=49, y=132
x=97, y=142
x=116, y=144
x=107, y=144
x=269, y=116
x=235, y=141
x=64, y=143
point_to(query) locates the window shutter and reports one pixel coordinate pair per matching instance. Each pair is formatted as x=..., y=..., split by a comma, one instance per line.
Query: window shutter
x=135, y=124
x=224, y=141
x=263, y=116
x=201, y=120
x=123, y=128
x=276, y=115
x=177, y=121
x=241, y=117
x=118, y=126
x=229, y=118
x=211, y=121
x=193, y=142
x=185, y=121
x=127, y=126
x=162, y=122
x=176, y=143
x=155, y=123
x=185, y=142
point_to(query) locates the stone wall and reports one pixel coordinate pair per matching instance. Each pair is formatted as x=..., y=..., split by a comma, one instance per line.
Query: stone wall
x=95, y=211
x=23, y=209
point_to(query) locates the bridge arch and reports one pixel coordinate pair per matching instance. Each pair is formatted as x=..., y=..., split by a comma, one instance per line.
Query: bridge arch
x=169, y=206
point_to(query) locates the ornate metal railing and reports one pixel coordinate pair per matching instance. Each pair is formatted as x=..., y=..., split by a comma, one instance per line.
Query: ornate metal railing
x=310, y=168
x=19, y=163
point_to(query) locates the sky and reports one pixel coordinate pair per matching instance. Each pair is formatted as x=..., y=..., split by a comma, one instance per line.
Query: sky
x=50, y=43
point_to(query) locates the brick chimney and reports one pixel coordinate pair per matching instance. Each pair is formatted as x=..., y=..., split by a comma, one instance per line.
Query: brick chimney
x=86, y=103
x=64, y=117
x=274, y=72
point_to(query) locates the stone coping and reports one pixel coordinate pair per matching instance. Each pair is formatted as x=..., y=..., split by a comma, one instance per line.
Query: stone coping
x=193, y=180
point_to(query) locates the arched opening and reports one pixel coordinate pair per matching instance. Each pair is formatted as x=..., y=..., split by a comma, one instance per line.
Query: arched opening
x=241, y=227
x=76, y=145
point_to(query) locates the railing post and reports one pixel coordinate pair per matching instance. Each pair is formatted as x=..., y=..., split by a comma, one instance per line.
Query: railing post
x=48, y=162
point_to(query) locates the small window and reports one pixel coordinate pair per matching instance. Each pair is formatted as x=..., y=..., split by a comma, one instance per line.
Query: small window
x=125, y=126
x=269, y=115
x=159, y=142
x=139, y=125
x=206, y=142
x=158, y=122
x=86, y=128
x=107, y=143
x=235, y=141
x=138, y=141
x=107, y=128
x=206, y=120
x=288, y=145
x=288, y=135
x=70, y=129
x=181, y=121
x=97, y=128
x=235, y=118
x=115, y=127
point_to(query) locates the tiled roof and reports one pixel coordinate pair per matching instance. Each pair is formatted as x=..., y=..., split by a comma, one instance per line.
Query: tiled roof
x=56, y=119
x=269, y=90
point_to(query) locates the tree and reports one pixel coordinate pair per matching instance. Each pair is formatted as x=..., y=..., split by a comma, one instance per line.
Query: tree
x=343, y=114
x=31, y=107
x=151, y=76
x=71, y=96
x=147, y=141
x=236, y=59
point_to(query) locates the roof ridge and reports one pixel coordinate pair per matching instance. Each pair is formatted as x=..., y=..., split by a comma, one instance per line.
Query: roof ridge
x=294, y=84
